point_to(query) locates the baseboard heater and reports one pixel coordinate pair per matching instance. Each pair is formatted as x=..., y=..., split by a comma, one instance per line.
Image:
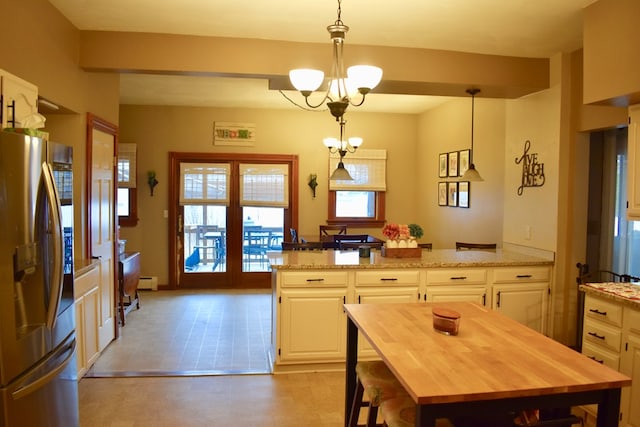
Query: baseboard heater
x=148, y=283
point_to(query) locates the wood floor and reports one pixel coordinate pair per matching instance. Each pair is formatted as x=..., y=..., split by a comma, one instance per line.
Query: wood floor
x=212, y=399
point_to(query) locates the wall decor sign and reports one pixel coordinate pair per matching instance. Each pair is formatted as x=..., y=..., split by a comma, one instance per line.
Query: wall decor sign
x=532, y=170
x=443, y=165
x=453, y=164
x=229, y=133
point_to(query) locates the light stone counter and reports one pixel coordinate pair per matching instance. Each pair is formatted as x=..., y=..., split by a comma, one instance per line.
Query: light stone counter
x=447, y=258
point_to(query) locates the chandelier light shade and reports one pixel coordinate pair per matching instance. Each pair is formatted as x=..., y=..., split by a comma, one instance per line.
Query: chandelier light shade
x=341, y=87
x=471, y=173
x=342, y=147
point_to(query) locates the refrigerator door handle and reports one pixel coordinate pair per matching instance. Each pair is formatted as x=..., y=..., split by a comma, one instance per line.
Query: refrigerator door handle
x=28, y=386
x=58, y=246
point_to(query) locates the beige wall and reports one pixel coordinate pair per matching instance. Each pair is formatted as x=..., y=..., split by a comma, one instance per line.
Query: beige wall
x=159, y=130
x=611, y=48
x=448, y=128
x=41, y=46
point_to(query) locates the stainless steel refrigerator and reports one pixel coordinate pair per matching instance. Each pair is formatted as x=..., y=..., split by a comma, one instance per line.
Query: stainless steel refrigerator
x=38, y=380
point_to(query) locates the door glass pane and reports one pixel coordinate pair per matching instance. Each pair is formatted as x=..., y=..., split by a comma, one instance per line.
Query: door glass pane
x=262, y=232
x=205, y=238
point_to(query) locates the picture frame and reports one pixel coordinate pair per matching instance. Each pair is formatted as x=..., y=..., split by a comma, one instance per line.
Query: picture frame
x=453, y=164
x=443, y=165
x=463, y=194
x=442, y=194
x=452, y=194
x=463, y=162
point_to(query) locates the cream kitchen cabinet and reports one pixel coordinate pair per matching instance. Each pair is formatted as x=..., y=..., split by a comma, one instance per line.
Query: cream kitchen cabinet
x=611, y=336
x=633, y=164
x=522, y=293
x=19, y=99
x=310, y=318
x=87, y=305
x=457, y=285
x=384, y=286
x=630, y=365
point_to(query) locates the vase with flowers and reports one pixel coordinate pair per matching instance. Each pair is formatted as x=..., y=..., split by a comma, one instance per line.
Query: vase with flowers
x=401, y=242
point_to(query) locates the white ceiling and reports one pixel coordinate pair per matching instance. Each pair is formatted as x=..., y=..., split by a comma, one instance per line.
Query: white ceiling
x=528, y=28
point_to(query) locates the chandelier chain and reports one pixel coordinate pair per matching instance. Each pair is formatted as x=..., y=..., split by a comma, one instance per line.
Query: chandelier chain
x=339, y=20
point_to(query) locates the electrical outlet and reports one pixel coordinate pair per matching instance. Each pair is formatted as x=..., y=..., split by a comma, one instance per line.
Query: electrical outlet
x=527, y=232
x=165, y=213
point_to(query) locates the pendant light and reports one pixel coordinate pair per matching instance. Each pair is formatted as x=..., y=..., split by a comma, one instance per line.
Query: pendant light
x=471, y=174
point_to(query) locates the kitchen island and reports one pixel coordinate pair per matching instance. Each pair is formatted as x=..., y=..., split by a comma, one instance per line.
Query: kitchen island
x=611, y=336
x=310, y=288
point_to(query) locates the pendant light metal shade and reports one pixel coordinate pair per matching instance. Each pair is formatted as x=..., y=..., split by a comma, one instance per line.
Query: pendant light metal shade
x=341, y=173
x=471, y=173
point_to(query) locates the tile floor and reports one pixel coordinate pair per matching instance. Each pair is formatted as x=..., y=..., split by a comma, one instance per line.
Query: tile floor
x=192, y=332
x=171, y=368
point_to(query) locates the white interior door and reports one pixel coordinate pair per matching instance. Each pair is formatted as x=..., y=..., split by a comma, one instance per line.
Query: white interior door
x=102, y=223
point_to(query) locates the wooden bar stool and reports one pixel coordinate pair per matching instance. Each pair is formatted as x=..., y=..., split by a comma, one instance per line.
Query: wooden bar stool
x=377, y=383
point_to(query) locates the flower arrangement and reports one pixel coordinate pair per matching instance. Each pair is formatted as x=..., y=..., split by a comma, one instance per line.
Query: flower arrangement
x=401, y=240
x=396, y=231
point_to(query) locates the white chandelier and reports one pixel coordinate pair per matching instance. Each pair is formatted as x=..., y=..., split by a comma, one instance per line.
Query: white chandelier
x=341, y=87
x=342, y=146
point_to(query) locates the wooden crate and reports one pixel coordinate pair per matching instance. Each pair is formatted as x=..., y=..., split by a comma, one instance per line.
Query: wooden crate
x=401, y=252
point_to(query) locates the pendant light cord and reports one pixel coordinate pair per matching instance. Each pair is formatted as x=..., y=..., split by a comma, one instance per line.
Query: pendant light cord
x=473, y=92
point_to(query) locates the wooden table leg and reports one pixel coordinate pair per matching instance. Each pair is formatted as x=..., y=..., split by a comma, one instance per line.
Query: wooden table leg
x=609, y=408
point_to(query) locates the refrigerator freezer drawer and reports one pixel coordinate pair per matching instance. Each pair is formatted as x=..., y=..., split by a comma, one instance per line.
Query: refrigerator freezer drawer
x=47, y=395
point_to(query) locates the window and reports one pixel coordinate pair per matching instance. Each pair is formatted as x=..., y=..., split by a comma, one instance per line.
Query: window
x=360, y=202
x=127, y=208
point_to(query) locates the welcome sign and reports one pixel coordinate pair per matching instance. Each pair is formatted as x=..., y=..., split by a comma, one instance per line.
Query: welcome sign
x=227, y=133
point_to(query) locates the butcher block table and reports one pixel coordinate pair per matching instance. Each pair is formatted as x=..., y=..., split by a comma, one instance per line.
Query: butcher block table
x=494, y=364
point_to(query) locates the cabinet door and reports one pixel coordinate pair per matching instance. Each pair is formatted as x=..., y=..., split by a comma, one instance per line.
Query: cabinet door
x=25, y=96
x=312, y=325
x=81, y=358
x=378, y=296
x=91, y=319
x=633, y=164
x=457, y=293
x=524, y=302
x=630, y=365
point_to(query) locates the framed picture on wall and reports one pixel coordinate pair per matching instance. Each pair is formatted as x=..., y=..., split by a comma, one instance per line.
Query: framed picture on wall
x=464, y=162
x=452, y=193
x=463, y=194
x=443, y=165
x=442, y=194
x=453, y=164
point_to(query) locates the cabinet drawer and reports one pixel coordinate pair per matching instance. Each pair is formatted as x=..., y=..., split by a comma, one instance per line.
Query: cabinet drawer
x=313, y=278
x=86, y=282
x=632, y=320
x=521, y=274
x=595, y=308
x=387, y=277
x=600, y=334
x=601, y=355
x=448, y=277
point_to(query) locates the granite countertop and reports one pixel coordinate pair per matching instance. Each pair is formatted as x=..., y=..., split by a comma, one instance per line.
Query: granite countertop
x=626, y=293
x=334, y=259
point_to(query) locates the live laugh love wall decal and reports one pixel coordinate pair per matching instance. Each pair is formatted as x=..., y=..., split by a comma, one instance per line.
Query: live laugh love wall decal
x=532, y=170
